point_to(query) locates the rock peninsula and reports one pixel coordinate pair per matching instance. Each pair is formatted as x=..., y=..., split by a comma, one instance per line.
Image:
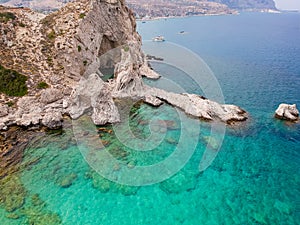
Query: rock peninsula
x=60, y=56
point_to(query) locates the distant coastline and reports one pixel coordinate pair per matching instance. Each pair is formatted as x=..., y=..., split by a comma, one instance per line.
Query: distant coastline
x=271, y=11
x=186, y=16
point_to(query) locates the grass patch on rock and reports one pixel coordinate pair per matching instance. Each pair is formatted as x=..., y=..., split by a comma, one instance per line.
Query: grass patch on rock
x=6, y=16
x=42, y=85
x=12, y=83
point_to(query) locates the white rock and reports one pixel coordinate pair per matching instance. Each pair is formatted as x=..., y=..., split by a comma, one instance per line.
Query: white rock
x=93, y=95
x=199, y=106
x=50, y=95
x=152, y=100
x=3, y=126
x=52, y=120
x=3, y=110
x=147, y=72
x=287, y=112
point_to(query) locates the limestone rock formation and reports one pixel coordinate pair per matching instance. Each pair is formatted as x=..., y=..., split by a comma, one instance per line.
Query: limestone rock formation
x=31, y=111
x=287, y=112
x=146, y=71
x=65, y=50
x=51, y=95
x=92, y=95
x=200, y=107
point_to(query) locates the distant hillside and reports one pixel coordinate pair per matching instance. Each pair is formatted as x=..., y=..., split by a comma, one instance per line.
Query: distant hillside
x=248, y=4
x=175, y=8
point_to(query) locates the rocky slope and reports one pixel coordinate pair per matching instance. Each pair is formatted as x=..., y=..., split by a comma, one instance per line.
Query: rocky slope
x=63, y=50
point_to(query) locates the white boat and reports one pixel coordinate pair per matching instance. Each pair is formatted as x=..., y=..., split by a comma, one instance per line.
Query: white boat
x=158, y=38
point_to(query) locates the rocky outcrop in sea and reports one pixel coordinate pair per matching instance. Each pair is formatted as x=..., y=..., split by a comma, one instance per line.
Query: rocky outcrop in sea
x=287, y=112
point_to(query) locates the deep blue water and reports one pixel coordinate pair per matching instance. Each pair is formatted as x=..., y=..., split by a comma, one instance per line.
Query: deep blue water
x=254, y=178
x=255, y=56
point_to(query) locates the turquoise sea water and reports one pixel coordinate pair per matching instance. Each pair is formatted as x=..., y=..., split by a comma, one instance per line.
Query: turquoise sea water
x=254, y=178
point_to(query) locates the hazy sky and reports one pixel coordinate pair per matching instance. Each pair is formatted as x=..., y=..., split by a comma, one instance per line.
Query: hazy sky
x=288, y=4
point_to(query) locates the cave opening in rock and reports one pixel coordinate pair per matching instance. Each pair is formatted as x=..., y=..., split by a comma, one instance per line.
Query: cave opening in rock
x=109, y=55
x=107, y=73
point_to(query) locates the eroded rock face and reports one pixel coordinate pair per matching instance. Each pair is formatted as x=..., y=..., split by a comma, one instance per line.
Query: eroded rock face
x=128, y=81
x=101, y=26
x=287, y=112
x=146, y=71
x=31, y=111
x=92, y=95
x=51, y=95
x=52, y=120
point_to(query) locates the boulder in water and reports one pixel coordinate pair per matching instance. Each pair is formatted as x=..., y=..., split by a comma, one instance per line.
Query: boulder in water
x=287, y=112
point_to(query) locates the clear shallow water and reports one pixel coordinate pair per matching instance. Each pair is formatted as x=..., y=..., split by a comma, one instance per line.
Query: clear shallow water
x=255, y=176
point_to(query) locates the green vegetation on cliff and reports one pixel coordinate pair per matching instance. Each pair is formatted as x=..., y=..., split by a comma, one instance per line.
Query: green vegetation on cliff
x=12, y=83
x=6, y=16
x=42, y=85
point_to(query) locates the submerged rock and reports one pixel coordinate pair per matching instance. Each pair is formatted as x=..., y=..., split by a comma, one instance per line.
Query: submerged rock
x=41, y=216
x=12, y=216
x=287, y=112
x=12, y=145
x=68, y=180
x=12, y=193
x=37, y=201
x=182, y=181
x=105, y=186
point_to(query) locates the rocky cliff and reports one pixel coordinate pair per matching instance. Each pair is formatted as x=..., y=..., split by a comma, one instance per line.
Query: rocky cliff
x=57, y=50
x=59, y=55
